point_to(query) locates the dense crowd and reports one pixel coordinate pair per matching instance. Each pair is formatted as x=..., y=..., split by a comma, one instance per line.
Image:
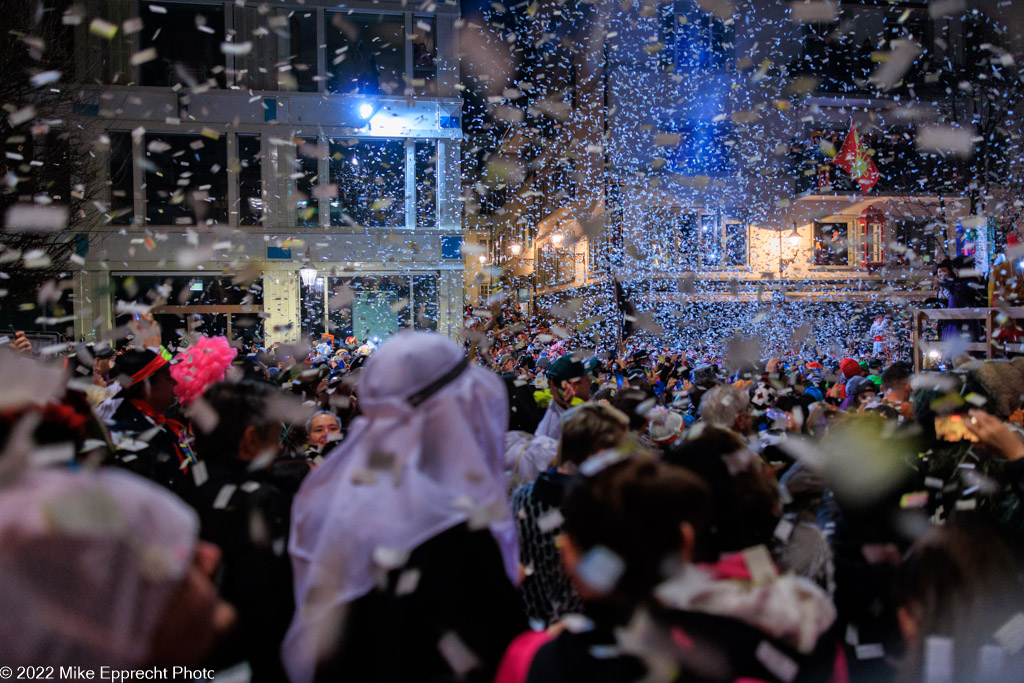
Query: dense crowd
x=526, y=507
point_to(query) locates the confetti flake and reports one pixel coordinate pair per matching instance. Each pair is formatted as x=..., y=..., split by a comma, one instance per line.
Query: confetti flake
x=102, y=28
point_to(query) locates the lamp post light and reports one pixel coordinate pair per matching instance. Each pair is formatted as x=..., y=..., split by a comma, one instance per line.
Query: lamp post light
x=307, y=274
x=311, y=280
x=794, y=237
x=794, y=240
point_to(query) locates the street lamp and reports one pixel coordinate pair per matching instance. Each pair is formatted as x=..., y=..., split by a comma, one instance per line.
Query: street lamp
x=557, y=239
x=307, y=274
x=794, y=237
x=516, y=249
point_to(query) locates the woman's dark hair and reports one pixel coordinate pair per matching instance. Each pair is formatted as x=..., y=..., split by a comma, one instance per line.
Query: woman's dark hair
x=745, y=504
x=588, y=429
x=635, y=509
x=238, y=405
x=962, y=582
x=628, y=400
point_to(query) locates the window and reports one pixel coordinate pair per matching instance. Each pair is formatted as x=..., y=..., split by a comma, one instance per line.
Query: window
x=365, y=53
x=312, y=310
x=919, y=235
x=306, y=162
x=193, y=290
x=368, y=307
x=689, y=239
x=426, y=184
x=370, y=180
x=250, y=181
x=302, y=30
x=187, y=38
x=557, y=266
x=873, y=251
x=424, y=56
x=122, y=200
x=564, y=180
x=831, y=245
x=723, y=243
x=41, y=165
x=186, y=179
x=710, y=244
x=735, y=244
x=426, y=295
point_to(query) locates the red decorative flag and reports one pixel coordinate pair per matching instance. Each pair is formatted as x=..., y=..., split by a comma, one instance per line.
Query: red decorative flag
x=855, y=160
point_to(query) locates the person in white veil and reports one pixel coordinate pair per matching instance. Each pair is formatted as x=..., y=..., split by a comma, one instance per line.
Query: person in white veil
x=402, y=543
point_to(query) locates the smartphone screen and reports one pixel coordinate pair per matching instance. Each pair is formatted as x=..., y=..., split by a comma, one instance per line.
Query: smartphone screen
x=952, y=428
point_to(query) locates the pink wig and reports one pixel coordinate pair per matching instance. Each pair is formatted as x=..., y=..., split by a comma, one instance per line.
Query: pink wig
x=200, y=365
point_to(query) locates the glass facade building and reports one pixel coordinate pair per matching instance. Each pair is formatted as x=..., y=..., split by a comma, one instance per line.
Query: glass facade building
x=260, y=140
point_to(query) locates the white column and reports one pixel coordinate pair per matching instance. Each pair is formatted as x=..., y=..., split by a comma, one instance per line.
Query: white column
x=449, y=185
x=410, y=183
x=138, y=180
x=234, y=166
x=323, y=179
x=451, y=294
x=281, y=321
x=321, y=50
x=94, y=315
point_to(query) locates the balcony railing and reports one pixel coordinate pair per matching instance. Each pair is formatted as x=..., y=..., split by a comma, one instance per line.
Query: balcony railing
x=931, y=350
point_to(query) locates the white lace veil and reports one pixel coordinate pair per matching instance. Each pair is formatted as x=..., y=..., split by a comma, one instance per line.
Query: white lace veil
x=425, y=455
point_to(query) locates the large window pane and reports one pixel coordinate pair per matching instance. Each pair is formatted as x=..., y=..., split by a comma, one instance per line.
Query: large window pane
x=187, y=38
x=735, y=244
x=426, y=184
x=186, y=180
x=830, y=244
x=41, y=164
x=689, y=239
x=302, y=27
x=193, y=290
x=917, y=234
x=425, y=302
x=424, y=56
x=368, y=307
x=250, y=196
x=874, y=241
x=306, y=162
x=557, y=266
x=711, y=241
x=312, y=309
x=365, y=53
x=370, y=180
x=121, y=191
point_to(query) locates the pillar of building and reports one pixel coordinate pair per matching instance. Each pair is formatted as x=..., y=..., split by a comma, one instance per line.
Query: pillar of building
x=94, y=315
x=281, y=307
x=451, y=295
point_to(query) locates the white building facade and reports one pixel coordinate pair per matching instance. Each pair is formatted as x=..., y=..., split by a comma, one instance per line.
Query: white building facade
x=235, y=144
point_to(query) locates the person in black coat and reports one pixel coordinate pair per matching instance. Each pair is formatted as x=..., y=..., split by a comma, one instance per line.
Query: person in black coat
x=246, y=514
x=148, y=442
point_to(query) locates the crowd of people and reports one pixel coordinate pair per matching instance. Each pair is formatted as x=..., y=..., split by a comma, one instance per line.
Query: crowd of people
x=518, y=509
